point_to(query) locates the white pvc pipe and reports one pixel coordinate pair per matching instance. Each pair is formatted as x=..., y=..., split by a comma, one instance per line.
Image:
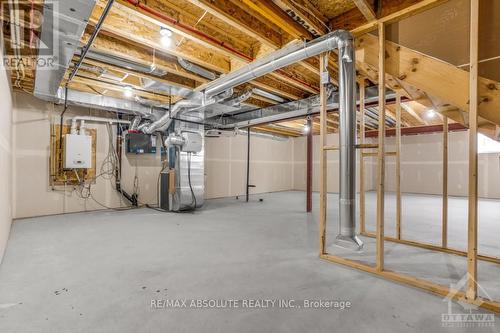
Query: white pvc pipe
x=83, y=119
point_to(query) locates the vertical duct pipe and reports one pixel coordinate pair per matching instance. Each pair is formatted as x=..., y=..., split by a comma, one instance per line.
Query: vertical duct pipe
x=344, y=42
x=347, y=135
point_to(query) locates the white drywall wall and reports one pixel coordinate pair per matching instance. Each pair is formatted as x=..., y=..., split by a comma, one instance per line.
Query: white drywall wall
x=33, y=196
x=5, y=156
x=421, y=166
x=225, y=165
x=300, y=160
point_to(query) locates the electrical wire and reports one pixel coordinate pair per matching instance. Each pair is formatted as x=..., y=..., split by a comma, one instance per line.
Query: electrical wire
x=109, y=170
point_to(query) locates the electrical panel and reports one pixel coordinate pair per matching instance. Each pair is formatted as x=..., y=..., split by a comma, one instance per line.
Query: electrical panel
x=193, y=142
x=140, y=143
x=77, y=151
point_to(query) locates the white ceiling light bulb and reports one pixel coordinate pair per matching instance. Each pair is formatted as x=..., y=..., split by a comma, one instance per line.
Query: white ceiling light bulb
x=166, y=37
x=431, y=114
x=307, y=128
x=128, y=92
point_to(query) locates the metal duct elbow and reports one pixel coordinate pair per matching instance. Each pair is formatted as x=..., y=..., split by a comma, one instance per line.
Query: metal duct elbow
x=166, y=119
x=141, y=127
x=240, y=97
x=189, y=66
x=135, y=123
x=339, y=39
x=187, y=104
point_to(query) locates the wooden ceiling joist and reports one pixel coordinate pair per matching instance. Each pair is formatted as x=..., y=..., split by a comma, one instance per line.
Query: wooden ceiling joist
x=226, y=48
x=225, y=11
x=273, y=13
x=139, y=54
x=366, y=9
x=391, y=11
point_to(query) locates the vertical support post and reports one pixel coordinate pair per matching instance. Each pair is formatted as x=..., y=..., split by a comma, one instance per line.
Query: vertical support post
x=398, y=165
x=444, y=222
x=471, y=292
x=381, y=149
x=323, y=63
x=248, y=166
x=362, y=196
x=309, y=166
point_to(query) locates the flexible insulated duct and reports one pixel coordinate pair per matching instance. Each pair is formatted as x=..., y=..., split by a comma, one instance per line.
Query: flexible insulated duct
x=135, y=123
x=187, y=104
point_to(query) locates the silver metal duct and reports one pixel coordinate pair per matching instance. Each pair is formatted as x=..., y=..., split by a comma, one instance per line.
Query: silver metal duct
x=151, y=103
x=263, y=93
x=190, y=104
x=280, y=111
x=338, y=39
x=188, y=162
x=215, y=133
x=159, y=86
x=275, y=137
x=69, y=21
x=124, y=62
x=347, y=148
x=294, y=109
x=105, y=103
x=286, y=56
x=135, y=123
x=93, y=36
x=343, y=41
x=239, y=98
x=189, y=66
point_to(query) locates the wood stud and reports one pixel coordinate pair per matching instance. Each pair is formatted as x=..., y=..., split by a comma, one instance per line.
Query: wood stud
x=381, y=149
x=473, y=108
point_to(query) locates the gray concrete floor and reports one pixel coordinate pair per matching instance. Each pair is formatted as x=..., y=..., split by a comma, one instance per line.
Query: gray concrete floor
x=98, y=272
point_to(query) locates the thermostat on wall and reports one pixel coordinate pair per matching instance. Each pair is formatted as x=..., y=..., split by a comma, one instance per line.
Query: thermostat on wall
x=77, y=151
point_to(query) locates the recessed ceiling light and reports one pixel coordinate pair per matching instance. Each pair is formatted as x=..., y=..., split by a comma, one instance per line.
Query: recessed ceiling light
x=166, y=37
x=128, y=92
x=165, y=32
x=306, y=128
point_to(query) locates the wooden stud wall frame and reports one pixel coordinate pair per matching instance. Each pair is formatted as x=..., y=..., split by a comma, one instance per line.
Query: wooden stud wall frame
x=470, y=294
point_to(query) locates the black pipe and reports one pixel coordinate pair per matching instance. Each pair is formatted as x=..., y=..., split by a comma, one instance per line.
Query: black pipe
x=61, y=123
x=86, y=48
x=133, y=199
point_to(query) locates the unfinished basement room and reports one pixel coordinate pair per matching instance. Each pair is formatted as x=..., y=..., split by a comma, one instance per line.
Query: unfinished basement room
x=250, y=166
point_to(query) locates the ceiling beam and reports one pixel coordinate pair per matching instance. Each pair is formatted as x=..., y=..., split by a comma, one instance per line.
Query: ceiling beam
x=240, y=19
x=139, y=32
x=391, y=11
x=115, y=24
x=140, y=54
x=366, y=9
x=306, y=19
x=273, y=13
x=225, y=11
